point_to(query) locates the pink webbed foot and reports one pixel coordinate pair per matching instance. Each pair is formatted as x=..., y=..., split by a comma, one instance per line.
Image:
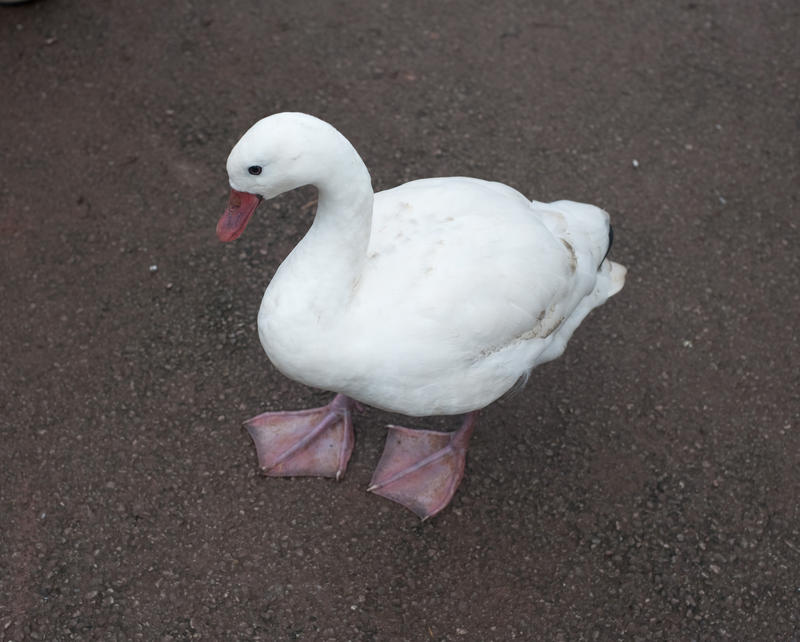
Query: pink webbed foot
x=421, y=469
x=316, y=442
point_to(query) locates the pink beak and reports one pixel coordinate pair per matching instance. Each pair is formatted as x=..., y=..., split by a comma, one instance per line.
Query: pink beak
x=240, y=208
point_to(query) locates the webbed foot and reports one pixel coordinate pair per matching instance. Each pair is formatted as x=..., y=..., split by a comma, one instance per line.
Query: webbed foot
x=315, y=442
x=421, y=469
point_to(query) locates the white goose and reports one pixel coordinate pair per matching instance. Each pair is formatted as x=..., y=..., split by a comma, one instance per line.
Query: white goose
x=434, y=297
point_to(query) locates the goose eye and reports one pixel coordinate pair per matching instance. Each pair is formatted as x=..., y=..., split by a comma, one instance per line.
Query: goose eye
x=255, y=170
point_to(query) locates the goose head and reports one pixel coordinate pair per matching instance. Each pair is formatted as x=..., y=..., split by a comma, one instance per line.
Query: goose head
x=277, y=154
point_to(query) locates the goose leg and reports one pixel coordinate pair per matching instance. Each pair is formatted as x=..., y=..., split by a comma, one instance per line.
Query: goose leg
x=316, y=442
x=421, y=469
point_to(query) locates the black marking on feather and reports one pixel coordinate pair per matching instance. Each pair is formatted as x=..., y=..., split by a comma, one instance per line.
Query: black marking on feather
x=610, y=243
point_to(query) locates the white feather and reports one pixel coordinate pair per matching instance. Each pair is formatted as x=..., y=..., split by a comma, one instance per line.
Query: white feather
x=434, y=297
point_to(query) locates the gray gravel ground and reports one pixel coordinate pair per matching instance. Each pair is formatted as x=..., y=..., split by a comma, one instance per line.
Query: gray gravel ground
x=643, y=487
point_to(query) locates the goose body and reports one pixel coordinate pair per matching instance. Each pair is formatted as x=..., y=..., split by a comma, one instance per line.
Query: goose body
x=465, y=286
x=434, y=297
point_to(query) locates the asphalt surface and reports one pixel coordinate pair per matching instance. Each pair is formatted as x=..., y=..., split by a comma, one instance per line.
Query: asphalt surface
x=642, y=487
